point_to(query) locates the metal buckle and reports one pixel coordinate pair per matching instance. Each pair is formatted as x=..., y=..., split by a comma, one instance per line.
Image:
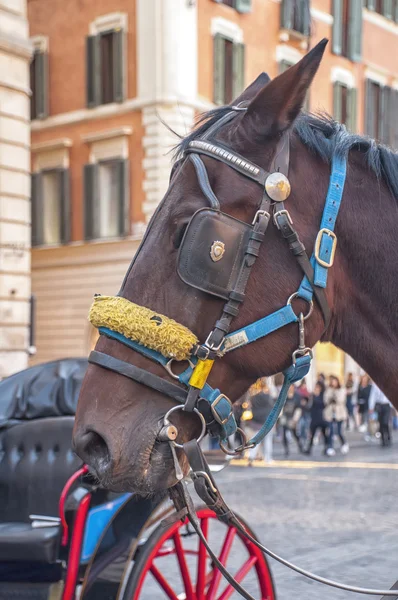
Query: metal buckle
x=244, y=445
x=282, y=212
x=197, y=474
x=214, y=348
x=302, y=352
x=302, y=349
x=166, y=422
x=167, y=366
x=215, y=414
x=260, y=213
x=318, y=242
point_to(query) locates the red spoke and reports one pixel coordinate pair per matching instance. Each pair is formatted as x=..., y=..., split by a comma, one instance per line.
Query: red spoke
x=202, y=557
x=229, y=538
x=163, y=583
x=241, y=574
x=165, y=552
x=183, y=566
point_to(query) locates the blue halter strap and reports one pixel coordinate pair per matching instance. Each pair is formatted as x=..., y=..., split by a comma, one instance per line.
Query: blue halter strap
x=322, y=260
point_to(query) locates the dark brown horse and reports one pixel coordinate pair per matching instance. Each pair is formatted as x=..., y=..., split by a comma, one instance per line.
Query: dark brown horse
x=117, y=419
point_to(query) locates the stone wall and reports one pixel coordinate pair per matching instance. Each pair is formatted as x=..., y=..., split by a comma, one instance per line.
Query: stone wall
x=15, y=54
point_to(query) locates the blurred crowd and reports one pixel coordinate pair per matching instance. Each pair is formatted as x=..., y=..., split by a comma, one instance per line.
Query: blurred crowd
x=322, y=416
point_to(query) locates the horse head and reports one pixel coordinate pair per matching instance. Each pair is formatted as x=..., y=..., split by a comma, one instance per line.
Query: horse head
x=118, y=419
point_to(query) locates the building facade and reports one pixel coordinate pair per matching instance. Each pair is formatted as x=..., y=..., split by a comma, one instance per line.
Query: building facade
x=15, y=52
x=106, y=73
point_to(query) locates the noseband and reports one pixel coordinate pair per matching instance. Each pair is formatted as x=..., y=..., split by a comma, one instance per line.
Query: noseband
x=231, y=249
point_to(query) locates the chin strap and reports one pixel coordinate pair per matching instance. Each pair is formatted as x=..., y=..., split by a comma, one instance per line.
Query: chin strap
x=208, y=492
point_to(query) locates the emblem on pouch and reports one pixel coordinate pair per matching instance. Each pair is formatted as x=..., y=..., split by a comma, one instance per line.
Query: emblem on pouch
x=217, y=251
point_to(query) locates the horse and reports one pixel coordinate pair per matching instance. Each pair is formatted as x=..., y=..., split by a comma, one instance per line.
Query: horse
x=118, y=419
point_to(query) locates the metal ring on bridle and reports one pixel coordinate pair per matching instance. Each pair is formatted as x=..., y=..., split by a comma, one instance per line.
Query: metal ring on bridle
x=309, y=302
x=240, y=448
x=167, y=366
x=181, y=407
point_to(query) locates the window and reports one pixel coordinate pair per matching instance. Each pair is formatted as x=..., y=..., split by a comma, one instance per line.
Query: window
x=345, y=105
x=39, y=85
x=347, y=28
x=242, y=6
x=50, y=207
x=229, y=69
x=105, y=67
x=381, y=107
x=295, y=16
x=106, y=199
x=387, y=8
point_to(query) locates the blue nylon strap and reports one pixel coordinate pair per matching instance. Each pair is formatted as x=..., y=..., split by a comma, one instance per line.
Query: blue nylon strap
x=329, y=216
x=259, y=328
x=152, y=354
x=292, y=374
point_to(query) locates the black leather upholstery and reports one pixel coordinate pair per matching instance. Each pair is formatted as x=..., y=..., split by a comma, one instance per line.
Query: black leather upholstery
x=36, y=460
x=195, y=266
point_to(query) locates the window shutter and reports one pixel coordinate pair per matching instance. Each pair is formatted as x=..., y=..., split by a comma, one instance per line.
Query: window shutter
x=119, y=40
x=122, y=167
x=37, y=209
x=355, y=30
x=219, y=69
x=337, y=101
x=337, y=45
x=93, y=74
x=352, y=110
x=369, y=109
x=388, y=9
x=90, y=201
x=287, y=14
x=64, y=186
x=384, y=115
x=41, y=85
x=305, y=17
x=238, y=69
x=243, y=6
x=371, y=4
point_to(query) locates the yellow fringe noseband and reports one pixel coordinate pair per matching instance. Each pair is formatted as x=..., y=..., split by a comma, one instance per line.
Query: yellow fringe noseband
x=142, y=325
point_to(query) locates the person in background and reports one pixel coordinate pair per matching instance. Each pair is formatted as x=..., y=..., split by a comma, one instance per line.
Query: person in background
x=321, y=379
x=289, y=419
x=349, y=393
x=261, y=404
x=365, y=385
x=302, y=390
x=304, y=420
x=317, y=420
x=335, y=413
x=380, y=403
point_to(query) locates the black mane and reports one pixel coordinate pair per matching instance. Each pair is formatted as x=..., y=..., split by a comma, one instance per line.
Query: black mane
x=325, y=137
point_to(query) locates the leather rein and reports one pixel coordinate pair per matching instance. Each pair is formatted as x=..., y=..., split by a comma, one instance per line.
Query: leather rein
x=212, y=407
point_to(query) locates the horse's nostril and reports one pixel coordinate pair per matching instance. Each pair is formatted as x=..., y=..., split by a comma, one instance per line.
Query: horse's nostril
x=93, y=449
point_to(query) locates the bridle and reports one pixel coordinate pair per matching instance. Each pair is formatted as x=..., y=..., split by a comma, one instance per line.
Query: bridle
x=212, y=406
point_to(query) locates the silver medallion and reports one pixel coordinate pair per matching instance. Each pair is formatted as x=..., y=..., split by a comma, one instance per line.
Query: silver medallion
x=277, y=187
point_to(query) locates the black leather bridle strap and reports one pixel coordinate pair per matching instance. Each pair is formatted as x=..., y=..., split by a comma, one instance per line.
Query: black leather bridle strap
x=203, y=180
x=139, y=375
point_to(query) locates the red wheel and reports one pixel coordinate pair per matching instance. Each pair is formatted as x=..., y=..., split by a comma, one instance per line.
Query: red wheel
x=174, y=564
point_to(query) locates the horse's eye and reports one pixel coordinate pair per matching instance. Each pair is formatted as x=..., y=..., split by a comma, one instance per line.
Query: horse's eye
x=179, y=234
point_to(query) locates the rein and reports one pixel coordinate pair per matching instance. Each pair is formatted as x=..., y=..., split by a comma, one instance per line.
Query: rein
x=238, y=245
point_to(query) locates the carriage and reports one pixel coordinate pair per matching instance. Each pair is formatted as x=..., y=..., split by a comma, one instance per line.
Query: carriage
x=63, y=537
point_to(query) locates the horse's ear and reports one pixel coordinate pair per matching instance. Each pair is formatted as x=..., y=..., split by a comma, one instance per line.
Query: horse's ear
x=250, y=92
x=276, y=106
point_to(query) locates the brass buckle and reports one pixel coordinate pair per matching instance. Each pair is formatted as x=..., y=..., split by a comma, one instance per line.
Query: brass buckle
x=318, y=242
x=215, y=415
x=260, y=213
x=282, y=212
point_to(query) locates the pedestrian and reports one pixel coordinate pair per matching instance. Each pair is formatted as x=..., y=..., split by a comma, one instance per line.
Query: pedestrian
x=380, y=403
x=317, y=420
x=349, y=394
x=335, y=413
x=304, y=421
x=289, y=419
x=365, y=385
x=261, y=405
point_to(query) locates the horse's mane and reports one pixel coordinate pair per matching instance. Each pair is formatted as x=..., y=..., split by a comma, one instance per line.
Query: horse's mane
x=322, y=135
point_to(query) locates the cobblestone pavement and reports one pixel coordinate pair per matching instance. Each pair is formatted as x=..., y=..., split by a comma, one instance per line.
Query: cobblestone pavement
x=334, y=516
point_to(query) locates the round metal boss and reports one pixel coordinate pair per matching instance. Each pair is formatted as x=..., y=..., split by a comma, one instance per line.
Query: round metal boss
x=277, y=187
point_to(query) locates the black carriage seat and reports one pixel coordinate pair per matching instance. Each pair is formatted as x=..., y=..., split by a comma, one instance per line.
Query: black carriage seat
x=36, y=461
x=36, y=457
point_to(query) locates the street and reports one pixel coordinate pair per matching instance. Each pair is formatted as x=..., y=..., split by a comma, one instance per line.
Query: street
x=336, y=517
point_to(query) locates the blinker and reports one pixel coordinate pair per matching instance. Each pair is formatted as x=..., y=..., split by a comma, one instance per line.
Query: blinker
x=277, y=187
